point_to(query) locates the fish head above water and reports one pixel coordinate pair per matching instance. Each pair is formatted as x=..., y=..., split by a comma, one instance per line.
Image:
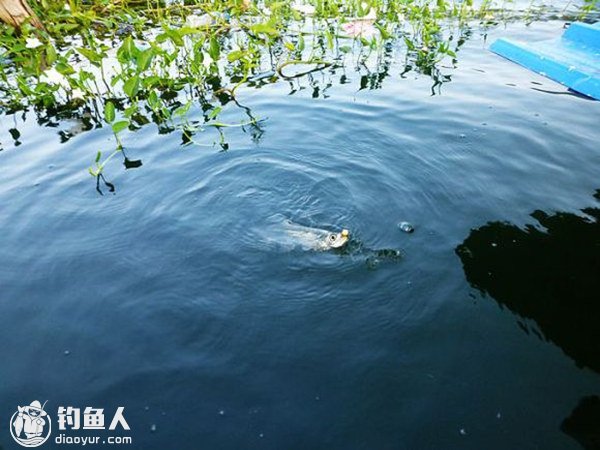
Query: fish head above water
x=338, y=240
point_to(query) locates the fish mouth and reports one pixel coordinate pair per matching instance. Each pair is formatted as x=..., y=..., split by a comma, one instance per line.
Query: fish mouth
x=341, y=240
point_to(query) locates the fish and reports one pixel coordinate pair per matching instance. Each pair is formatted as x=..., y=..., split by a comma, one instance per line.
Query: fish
x=315, y=238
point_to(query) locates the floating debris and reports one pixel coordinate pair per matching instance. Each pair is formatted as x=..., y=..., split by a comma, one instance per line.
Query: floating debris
x=406, y=227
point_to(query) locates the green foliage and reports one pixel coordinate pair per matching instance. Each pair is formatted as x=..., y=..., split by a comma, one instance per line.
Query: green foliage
x=122, y=60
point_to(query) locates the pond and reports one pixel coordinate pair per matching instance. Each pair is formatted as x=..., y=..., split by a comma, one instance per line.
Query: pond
x=171, y=291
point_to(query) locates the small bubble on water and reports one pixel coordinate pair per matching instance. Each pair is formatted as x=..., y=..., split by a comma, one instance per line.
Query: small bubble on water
x=462, y=135
x=153, y=428
x=462, y=432
x=494, y=244
x=146, y=408
x=222, y=412
x=406, y=227
x=498, y=415
x=67, y=352
x=317, y=398
x=261, y=435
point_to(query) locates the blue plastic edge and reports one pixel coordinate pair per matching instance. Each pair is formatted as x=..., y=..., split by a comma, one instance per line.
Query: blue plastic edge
x=575, y=79
x=583, y=33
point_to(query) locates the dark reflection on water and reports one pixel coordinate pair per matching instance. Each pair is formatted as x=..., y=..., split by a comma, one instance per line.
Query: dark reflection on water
x=546, y=272
x=583, y=424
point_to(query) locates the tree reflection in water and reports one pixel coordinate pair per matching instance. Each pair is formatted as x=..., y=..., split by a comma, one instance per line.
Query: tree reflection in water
x=549, y=273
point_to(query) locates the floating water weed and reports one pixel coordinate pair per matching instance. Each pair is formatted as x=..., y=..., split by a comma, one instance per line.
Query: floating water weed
x=164, y=62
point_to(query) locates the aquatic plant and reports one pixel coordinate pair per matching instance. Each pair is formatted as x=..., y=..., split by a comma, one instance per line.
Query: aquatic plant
x=129, y=63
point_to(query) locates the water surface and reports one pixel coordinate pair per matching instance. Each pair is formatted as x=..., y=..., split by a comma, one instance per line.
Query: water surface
x=165, y=296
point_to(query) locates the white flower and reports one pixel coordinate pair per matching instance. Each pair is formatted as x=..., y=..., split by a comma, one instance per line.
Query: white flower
x=304, y=9
x=33, y=42
x=67, y=7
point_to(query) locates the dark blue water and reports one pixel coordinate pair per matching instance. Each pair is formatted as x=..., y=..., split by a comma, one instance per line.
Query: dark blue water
x=172, y=298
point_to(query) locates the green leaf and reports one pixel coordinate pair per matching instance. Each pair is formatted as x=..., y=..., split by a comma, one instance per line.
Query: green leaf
x=120, y=126
x=92, y=56
x=175, y=36
x=301, y=43
x=182, y=110
x=264, y=28
x=329, y=39
x=214, y=113
x=131, y=110
x=144, y=59
x=132, y=86
x=50, y=54
x=384, y=33
x=214, y=49
x=64, y=68
x=235, y=55
x=153, y=100
x=98, y=156
x=23, y=86
x=127, y=51
x=109, y=112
